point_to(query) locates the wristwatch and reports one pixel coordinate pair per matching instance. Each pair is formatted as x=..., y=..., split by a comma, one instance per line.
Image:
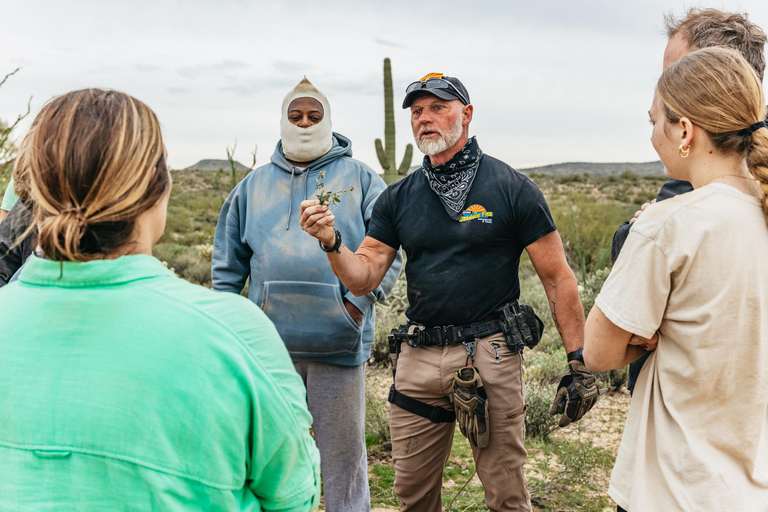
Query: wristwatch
x=577, y=354
x=336, y=245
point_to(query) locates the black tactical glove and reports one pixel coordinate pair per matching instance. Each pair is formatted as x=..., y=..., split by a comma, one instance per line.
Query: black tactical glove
x=576, y=393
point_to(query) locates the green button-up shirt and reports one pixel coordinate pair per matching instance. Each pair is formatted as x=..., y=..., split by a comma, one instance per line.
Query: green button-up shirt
x=123, y=387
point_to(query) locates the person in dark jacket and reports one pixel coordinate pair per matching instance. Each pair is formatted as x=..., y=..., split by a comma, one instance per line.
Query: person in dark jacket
x=699, y=28
x=17, y=240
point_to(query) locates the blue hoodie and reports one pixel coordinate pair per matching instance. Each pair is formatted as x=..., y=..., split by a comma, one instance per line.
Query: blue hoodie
x=259, y=236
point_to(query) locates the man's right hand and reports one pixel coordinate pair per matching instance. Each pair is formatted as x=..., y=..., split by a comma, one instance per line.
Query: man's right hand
x=318, y=221
x=639, y=212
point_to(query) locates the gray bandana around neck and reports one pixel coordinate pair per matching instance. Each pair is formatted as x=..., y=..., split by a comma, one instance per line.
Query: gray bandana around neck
x=452, y=180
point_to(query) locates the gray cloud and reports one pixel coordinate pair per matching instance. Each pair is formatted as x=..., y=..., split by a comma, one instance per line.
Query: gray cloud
x=384, y=42
x=258, y=85
x=146, y=68
x=289, y=67
x=213, y=68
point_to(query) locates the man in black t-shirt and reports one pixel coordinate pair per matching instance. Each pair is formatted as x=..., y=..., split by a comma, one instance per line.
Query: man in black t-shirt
x=463, y=220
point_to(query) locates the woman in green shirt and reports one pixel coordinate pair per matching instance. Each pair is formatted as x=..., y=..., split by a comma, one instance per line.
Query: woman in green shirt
x=123, y=387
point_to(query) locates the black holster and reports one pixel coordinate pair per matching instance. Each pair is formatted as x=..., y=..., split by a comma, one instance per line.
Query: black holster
x=520, y=325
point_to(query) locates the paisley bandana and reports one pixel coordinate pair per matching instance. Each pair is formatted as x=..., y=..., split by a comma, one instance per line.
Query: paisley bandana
x=452, y=180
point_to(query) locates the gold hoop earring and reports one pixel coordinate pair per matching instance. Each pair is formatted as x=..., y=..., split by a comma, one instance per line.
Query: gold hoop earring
x=684, y=152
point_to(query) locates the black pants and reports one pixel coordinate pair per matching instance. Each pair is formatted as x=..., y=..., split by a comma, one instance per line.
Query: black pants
x=619, y=509
x=634, y=371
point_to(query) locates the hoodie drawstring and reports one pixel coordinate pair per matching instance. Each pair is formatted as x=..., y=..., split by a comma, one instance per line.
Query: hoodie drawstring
x=290, y=202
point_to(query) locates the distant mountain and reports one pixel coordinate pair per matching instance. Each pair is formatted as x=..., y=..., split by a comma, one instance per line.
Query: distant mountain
x=215, y=165
x=610, y=169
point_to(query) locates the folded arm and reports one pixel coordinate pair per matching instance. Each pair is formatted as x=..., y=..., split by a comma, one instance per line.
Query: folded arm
x=608, y=346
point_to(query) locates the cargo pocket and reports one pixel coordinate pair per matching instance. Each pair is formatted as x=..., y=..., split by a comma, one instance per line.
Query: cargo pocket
x=311, y=318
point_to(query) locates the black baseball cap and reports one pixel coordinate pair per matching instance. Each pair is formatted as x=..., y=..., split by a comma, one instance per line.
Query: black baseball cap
x=444, y=87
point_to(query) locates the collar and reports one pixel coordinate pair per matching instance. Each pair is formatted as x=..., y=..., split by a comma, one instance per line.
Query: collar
x=96, y=273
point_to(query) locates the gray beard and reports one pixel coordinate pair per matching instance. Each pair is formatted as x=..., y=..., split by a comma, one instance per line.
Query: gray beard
x=446, y=140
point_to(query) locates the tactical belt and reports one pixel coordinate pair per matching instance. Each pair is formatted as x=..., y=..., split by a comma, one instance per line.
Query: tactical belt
x=512, y=319
x=446, y=335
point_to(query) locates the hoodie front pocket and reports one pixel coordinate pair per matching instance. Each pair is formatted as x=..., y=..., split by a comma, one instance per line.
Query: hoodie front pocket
x=311, y=318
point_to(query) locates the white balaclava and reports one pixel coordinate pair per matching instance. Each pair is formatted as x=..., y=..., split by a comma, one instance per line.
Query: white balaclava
x=306, y=144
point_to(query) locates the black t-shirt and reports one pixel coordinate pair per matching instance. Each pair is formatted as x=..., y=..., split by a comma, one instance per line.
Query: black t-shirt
x=461, y=272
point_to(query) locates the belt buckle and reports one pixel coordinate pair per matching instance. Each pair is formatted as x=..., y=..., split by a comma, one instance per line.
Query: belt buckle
x=415, y=338
x=449, y=332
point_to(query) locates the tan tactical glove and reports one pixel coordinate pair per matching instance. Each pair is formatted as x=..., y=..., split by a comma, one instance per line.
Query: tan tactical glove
x=471, y=404
x=576, y=393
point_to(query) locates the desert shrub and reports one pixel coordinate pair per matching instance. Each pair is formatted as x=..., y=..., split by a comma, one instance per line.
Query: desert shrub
x=186, y=262
x=538, y=423
x=545, y=367
x=591, y=286
x=629, y=176
x=587, y=228
x=390, y=313
x=205, y=251
x=376, y=417
x=613, y=379
x=570, y=178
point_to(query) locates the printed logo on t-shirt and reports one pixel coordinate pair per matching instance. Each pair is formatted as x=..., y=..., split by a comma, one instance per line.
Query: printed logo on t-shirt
x=477, y=212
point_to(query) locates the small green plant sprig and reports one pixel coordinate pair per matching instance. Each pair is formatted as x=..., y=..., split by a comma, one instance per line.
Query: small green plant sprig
x=328, y=197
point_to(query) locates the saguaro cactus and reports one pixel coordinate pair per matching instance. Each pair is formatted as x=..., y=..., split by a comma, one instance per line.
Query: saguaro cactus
x=386, y=154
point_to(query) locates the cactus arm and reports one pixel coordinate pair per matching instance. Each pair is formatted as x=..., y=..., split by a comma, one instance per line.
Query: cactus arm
x=389, y=114
x=406, y=163
x=382, y=155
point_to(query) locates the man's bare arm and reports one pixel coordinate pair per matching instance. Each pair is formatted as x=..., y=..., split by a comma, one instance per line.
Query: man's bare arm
x=548, y=258
x=361, y=271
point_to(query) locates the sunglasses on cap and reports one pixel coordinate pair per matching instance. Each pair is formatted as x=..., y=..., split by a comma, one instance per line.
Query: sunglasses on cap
x=436, y=82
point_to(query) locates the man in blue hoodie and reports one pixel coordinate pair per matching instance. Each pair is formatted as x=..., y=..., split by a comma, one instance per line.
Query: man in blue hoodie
x=258, y=236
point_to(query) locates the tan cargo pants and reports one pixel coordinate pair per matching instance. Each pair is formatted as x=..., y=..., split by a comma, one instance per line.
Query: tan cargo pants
x=420, y=448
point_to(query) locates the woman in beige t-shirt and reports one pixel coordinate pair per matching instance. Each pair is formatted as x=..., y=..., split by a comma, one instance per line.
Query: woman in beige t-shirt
x=692, y=281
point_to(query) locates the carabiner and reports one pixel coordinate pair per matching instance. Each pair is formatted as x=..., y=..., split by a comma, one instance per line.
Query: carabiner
x=471, y=348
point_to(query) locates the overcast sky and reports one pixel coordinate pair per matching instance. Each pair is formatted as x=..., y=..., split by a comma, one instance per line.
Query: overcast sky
x=551, y=82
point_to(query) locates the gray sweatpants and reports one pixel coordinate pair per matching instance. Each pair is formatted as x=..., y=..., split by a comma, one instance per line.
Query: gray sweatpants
x=336, y=400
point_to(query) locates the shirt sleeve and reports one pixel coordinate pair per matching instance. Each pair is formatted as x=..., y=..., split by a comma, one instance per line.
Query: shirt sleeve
x=231, y=258
x=531, y=213
x=382, y=223
x=634, y=297
x=9, y=197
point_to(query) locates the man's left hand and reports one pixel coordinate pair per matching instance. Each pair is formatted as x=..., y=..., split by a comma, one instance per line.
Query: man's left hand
x=355, y=313
x=576, y=393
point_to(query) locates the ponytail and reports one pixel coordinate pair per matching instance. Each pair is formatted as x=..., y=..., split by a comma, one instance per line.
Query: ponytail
x=757, y=156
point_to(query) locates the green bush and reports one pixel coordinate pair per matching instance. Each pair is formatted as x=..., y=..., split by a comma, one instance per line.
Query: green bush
x=390, y=314
x=376, y=418
x=591, y=287
x=538, y=423
x=545, y=367
x=613, y=379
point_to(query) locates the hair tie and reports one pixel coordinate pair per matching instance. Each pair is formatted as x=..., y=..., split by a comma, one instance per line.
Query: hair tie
x=74, y=211
x=749, y=130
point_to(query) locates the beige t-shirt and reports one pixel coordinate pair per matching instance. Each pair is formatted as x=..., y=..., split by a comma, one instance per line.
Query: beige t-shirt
x=695, y=267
